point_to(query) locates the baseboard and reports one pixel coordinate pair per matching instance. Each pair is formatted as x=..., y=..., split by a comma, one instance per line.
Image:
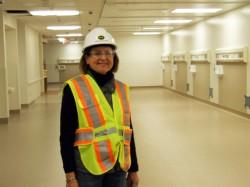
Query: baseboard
x=4, y=120
x=27, y=105
x=17, y=111
x=246, y=115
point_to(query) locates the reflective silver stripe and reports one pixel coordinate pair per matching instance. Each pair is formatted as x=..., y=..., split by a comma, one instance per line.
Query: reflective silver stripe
x=125, y=103
x=126, y=155
x=84, y=136
x=104, y=154
x=90, y=103
x=106, y=132
x=127, y=136
x=88, y=136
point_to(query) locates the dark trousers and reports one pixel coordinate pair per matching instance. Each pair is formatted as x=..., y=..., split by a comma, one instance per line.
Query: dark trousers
x=113, y=178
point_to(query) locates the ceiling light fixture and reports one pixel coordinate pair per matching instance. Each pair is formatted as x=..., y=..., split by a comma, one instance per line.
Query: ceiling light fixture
x=70, y=27
x=75, y=42
x=54, y=12
x=146, y=33
x=69, y=35
x=173, y=21
x=157, y=28
x=62, y=40
x=196, y=10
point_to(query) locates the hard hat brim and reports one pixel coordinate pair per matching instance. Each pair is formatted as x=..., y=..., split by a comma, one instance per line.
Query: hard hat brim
x=99, y=45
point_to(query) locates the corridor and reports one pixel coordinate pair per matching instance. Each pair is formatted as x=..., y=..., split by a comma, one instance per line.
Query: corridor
x=180, y=142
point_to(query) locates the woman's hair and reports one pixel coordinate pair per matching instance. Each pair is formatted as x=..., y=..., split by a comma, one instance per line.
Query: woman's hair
x=83, y=63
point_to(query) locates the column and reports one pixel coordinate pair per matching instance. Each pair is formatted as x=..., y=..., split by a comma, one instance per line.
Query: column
x=4, y=105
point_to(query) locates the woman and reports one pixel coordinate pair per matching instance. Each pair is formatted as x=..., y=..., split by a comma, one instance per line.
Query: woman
x=97, y=141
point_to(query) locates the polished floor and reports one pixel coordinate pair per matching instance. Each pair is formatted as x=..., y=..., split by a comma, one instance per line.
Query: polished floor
x=180, y=143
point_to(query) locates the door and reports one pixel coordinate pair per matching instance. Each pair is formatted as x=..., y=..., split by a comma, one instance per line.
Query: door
x=232, y=86
x=201, y=80
x=181, y=76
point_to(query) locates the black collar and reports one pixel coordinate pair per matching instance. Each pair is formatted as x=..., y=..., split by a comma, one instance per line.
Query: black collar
x=100, y=78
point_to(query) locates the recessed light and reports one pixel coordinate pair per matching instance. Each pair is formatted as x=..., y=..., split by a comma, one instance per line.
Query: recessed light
x=70, y=27
x=157, y=28
x=75, y=42
x=196, y=10
x=54, y=12
x=173, y=21
x=69, y=35
x=146, y=33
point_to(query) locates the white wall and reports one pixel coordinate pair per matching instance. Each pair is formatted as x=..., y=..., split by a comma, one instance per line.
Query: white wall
x=140, y=63
x=33, y=64
x=22, y=62
x=139, y=59
x=20, y=65
x=32, y=55
x=230, y=30
x=4, y=105
x=13, y=69
x=55, y=51
x=30, y=63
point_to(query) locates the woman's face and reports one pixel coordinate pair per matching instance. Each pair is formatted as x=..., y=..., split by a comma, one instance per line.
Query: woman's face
x=101, y=59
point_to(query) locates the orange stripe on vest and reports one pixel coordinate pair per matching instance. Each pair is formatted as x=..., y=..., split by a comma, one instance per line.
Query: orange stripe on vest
x=81, y=95
x=120, y=96
x=98, y=155
x=118, y=88
x=100, y=115
x=111, y=156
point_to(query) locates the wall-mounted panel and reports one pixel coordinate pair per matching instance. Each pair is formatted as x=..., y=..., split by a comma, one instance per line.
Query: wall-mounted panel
x=166, y=57
x=200, y=69
x=180, y=67
x=232, y=72
x=68, y=69
x=232, y=55
x=167, y=75
x=167, y=71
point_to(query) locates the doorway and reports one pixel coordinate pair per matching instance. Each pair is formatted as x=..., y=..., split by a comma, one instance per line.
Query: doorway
x=181, y=76
x=232, y=86
x=201, y=80
x=12, y=69
x=167, y=75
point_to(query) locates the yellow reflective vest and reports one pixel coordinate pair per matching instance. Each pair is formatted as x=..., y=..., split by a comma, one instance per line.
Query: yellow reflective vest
x=103, y=136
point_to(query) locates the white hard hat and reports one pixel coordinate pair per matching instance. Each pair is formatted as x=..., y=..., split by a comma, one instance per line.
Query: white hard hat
x=98, y=36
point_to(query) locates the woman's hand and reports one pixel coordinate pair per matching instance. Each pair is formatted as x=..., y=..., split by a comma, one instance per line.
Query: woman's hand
x=71, y=180
x=132, y=179
x=72, y=183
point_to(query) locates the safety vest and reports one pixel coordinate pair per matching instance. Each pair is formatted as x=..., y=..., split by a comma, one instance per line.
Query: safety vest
x=104, y=134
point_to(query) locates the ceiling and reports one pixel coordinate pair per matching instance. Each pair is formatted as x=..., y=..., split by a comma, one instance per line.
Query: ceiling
x=123, y=16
